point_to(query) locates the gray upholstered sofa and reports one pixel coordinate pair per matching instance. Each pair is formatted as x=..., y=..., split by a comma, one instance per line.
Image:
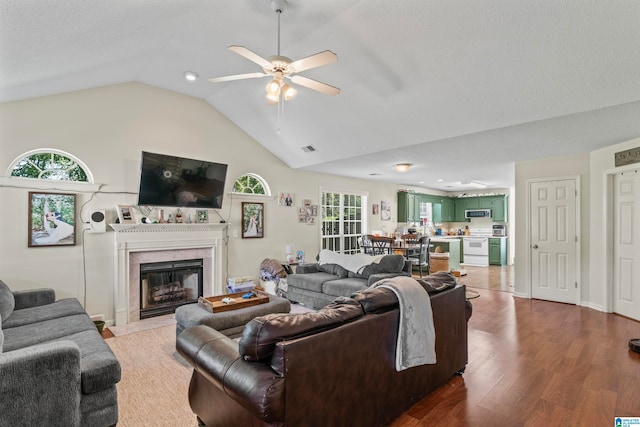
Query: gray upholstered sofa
x=316, y=285
x=55, y=368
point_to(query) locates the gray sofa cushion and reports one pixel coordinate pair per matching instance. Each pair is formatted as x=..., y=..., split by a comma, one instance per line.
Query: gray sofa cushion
x=62, y=308
x=310, y=281
x=7, y=302
x=45, y=331
x=99, y=368
x=344, y=287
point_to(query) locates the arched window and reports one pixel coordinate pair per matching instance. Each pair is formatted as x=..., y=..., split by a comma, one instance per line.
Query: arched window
x=50, y=164
x=251, y=183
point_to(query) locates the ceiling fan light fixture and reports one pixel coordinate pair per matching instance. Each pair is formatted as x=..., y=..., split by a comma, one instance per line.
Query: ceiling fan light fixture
x=273, y=88
x=403, y=167
x=288, y=92
x=272, y=99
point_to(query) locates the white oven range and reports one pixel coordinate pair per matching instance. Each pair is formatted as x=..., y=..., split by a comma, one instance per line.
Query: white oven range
x=475, y=247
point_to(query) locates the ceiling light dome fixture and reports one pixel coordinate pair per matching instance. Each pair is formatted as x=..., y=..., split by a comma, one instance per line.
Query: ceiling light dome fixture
x=403, y=167
x=191, y=76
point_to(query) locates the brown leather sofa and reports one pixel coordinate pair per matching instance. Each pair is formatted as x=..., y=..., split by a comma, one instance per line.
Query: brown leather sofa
x=334, y=367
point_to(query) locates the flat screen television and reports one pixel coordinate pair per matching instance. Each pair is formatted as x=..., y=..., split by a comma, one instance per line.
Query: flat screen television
x=180, y=182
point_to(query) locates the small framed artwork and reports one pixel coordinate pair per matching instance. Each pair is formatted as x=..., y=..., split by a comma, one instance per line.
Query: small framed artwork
x=252, y=220
x=52, y=219
x=307, y=202
x=385, y=211
x=285, y=199
x=375, y=209
x=202, y=216
x=126, y=214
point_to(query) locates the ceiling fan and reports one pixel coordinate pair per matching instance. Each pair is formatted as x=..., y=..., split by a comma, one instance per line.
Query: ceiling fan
x=281, y=68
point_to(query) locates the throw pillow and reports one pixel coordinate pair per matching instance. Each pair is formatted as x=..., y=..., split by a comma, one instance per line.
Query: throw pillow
x=7, y=301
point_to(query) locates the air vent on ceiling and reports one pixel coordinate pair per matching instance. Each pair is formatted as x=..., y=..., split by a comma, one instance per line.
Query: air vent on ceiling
x=309, y=149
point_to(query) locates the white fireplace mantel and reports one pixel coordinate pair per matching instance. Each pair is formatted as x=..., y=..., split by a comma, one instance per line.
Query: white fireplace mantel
x=163, y=237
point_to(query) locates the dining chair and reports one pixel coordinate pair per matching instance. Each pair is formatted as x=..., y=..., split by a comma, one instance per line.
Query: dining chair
x=365, y=244
x=421, y=257
x=381, y=245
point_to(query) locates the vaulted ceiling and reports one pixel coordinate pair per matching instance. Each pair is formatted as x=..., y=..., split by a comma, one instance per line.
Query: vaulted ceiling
x=461, y=89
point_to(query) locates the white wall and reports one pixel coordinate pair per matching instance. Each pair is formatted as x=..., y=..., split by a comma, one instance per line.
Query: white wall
x=593, y=168
x=107, y=128
x=602, y=166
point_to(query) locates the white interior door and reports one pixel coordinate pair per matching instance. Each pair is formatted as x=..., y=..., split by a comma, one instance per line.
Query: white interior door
x=626, y=246
x=553, y=240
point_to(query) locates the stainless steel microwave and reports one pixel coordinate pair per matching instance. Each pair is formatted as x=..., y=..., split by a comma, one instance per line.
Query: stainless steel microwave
x=477, y=213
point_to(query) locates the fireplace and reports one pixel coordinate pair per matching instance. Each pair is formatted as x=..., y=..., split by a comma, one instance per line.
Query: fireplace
x=148, y=243
x=164, y=286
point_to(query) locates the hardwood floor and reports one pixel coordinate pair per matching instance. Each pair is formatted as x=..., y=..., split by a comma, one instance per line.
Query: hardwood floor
x=493, y=277
x=536, y=363
x=531, y=363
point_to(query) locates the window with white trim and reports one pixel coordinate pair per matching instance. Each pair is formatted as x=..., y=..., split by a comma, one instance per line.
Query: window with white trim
x=51, y=165
x=250, y=183
x=344, y=218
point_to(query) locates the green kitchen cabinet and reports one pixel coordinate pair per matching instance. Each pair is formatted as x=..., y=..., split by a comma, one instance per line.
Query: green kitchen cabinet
x=497, y=251
x=448, y=209
x=498, y=206
x=463, y=204
x=407, y=207
x=436, y=211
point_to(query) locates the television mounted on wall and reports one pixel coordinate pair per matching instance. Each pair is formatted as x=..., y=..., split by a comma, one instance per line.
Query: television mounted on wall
x=180, y=182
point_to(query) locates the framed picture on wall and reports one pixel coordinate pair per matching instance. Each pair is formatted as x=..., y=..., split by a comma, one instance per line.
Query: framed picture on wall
x=52, y=219
x=385, y=211
x=252, y=220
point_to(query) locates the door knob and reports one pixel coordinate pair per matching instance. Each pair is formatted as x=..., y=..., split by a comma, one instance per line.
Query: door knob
x=535, y=246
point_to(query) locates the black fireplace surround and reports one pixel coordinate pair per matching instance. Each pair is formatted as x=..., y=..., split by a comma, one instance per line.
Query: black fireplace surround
x=169, y=284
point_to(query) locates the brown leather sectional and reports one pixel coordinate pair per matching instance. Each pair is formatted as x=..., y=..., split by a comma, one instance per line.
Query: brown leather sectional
x=333, y=367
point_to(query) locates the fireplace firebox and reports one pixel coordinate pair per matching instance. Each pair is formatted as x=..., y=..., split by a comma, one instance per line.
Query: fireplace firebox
x=166, y=285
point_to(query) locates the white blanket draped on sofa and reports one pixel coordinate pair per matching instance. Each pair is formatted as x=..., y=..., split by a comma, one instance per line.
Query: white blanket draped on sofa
x=352, y=262
x=416, y=343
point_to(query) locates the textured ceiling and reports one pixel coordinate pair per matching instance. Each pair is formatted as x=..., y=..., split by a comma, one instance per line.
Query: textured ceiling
x=461, y=89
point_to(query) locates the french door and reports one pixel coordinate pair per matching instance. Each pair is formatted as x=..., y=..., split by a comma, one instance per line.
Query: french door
x=344, y=217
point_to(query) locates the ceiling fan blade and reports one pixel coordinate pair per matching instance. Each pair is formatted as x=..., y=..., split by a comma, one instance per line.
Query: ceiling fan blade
x=319, y=59
x=251, y=56
x=236, y=77
x=315, y=85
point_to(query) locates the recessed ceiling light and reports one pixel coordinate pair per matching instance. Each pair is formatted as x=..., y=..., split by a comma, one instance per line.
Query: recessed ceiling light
x=191, y=76
x=441, y=180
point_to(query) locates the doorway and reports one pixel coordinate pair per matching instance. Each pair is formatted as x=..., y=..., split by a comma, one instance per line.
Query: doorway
x=554, y=221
